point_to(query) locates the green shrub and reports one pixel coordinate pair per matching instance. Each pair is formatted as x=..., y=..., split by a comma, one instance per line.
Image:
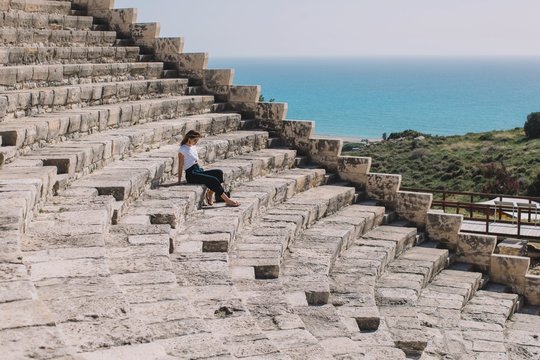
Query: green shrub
x=534, y=188
x=532, y=126
x=409, y=134
x=486, y=136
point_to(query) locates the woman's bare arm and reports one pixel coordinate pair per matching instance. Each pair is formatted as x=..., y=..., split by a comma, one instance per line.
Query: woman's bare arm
x=180, y=166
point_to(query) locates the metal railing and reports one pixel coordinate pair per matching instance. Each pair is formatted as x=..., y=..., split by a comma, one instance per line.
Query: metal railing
x=490, y=213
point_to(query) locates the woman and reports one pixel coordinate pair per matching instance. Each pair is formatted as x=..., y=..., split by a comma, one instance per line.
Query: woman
x=187, y=161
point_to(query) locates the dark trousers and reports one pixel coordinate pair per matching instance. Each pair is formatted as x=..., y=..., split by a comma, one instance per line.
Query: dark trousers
x=211, y=178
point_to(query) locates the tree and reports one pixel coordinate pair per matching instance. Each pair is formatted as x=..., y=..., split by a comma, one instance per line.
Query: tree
x=532, y=126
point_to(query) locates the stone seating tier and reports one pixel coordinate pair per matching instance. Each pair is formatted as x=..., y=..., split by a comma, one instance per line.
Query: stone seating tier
x=27, y=132
x=43, y=76
x=61, y=38
x=17, y=55
x=37, y=6
x=24, y=103
x=23, y=19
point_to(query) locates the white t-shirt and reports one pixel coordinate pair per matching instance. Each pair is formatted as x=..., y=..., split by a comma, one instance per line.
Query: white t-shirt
x=190, y=155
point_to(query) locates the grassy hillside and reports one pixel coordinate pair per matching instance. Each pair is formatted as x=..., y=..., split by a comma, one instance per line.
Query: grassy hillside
x=495, y=162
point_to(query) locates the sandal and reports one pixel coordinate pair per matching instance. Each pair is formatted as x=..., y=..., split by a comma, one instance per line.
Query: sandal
x=233, y=204
x=209, y=199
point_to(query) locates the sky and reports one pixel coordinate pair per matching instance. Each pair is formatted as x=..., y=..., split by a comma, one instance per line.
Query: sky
x=348, y=28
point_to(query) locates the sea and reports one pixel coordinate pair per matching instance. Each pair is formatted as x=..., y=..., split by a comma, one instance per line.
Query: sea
x=362, y=98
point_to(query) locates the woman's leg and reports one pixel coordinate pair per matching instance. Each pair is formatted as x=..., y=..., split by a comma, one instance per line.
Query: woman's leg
x=211, y=182
x=217, y=173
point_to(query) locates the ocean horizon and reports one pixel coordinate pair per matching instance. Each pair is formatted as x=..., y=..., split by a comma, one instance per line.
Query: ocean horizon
x=366, y=97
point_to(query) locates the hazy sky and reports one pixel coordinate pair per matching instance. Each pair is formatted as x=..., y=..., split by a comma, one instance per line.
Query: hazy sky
x=348, y=27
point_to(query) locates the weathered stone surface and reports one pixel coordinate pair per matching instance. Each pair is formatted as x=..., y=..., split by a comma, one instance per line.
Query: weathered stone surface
x=444, y=227
x=134, y=352
x=91, y=336
x=476, y=249
x=383, y=187
x=413, y=206
x=509, y=270
x=38, y=342
x=24, y=313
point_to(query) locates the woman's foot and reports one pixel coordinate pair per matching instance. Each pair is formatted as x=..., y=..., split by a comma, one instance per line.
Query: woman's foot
x=209, y=197
x=232, y=203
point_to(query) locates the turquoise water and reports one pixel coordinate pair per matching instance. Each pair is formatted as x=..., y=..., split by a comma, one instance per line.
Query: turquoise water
x=367, y=97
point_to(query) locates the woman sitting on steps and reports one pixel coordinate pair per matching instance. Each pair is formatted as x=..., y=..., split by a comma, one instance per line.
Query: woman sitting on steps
x=187, y=160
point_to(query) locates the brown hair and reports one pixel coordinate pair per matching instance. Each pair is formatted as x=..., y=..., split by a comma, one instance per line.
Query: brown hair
x=191, y=134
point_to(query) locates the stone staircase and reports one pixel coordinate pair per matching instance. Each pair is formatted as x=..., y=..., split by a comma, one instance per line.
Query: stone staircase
x=104, y=256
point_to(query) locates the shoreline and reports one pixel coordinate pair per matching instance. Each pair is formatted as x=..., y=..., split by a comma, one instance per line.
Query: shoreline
x=349, y=139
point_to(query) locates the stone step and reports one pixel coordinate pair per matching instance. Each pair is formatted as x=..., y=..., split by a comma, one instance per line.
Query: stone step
x=39, y=181
x=26, y=55
x=64, y=251
x=201, y=274
x=25, y=103
x=7, y=154
x=304, y=208
x=126, y=180
x=22, y=19
x=36, y=6
x=29, y=131
x=268, y=305
x=83, y=156
x=490, y=307
x=397, y=292
x=353, y=295
x=219, y=235
x=406, y=331
x=86, y=155
x=47, y=37
x=354, y=279
x=521, y=336
x=208, y=273
x=44, y=77
x=311, y=258
x=171, y=205
x=408, y=275
x=483, y=326
x=383, y=244
x=440, y=304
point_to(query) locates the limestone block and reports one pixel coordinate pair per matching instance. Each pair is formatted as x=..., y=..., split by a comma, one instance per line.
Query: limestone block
x=218, y=77
x=413, y=206
x=476, y=249
x=248, y=94
x=145, y=30
x=354, y=169
x=24, y=313
x=532, y=289
x=40, y=342
x=151, y=351
x=168, y=49
x=383, y=187
x=509, y=270
x=8, y=76
x=271, y=111
x=3, y=107
x=24, y=73
x=193, y=61
x=513, y=247
x=325, y=151
x=444, y=227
